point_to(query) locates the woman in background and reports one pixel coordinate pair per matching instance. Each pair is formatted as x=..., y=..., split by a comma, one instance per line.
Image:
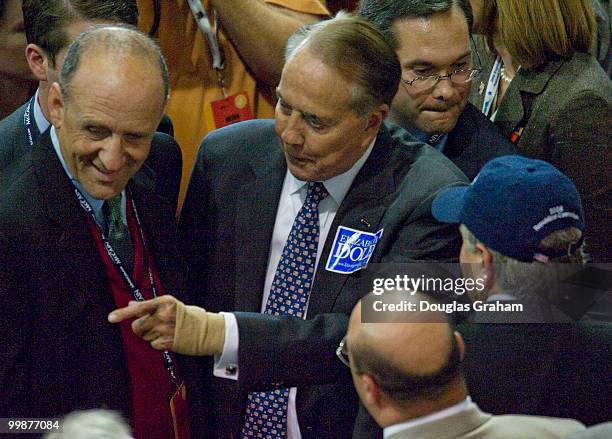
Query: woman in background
x=551, y=98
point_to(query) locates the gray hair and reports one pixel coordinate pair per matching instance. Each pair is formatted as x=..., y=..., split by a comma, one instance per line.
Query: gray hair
x=358, y=51
x=384, y=13
x=527, y=279
x=92, y=424
x=122, y=40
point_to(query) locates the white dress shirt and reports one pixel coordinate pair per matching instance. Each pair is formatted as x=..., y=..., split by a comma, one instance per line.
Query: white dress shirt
x=293, y=195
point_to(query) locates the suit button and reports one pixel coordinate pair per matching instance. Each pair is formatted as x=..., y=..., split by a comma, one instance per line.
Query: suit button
x=231, y=369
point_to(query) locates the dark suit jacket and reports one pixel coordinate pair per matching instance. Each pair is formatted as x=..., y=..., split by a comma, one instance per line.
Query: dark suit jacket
x=226, y=227
x=471, y=144
x=59, y=353
x=566, y=108
x=165, y=158
x=562, y=370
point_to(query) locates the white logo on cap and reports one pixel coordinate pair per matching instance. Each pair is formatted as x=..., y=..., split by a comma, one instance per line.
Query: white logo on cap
x=556, y=213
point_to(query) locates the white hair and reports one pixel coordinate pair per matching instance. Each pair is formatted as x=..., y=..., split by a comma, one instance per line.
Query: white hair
x=92, y=424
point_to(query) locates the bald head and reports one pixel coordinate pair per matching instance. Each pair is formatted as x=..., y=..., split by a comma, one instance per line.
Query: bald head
x=420, y=347
x=411, y=361
x=120, y=43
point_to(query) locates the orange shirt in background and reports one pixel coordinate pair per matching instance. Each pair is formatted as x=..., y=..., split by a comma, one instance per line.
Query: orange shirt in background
x=193, y=81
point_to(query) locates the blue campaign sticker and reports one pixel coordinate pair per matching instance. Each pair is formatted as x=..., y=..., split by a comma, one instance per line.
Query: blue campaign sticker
x=351, y=250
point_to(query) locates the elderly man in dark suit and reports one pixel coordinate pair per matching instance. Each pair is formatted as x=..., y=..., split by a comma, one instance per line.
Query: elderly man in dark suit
x=51, y=25
x=432, y=42
x=280, y=219
x=82, y=232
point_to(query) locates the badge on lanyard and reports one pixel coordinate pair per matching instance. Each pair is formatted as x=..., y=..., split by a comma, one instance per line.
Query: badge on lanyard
x=351, y=250
x=180, y=416
x=492, y=85
x=229, y=110
x=29, y=123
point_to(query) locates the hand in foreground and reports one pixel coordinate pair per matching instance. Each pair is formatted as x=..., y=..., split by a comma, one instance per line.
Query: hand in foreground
x=169, y=324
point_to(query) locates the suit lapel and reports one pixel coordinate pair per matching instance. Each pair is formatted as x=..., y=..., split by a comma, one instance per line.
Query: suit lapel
x=459, y=137
x=74, y=244
x=361, y=207
x=22, y=146
x=511, y=110
x=160, y=230
x=527, y=83
x=254, y=226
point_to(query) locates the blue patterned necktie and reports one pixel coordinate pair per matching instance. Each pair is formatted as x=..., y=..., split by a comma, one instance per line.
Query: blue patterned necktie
x=117, y=232
x=266, y=412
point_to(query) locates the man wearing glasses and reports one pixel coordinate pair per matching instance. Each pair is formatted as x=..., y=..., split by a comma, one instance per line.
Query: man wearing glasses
x=432, y=41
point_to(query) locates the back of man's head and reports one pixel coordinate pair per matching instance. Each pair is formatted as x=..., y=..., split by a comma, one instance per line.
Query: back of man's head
x=407, y=368
x=522, y=217
x=358, y=51
x=384, y=13
x=46, y=21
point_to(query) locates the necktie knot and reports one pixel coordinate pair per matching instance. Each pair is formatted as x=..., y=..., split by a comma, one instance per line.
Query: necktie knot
x=118, y=233
x=316, y=193
x=112, y=215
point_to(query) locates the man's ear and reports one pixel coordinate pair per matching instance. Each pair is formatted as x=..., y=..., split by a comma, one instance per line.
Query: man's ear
x=460, y=343
x=487, y=266
x=56, y=105
x=376, y=118
x=37, y=60
x=485, y=254
x=371, y=391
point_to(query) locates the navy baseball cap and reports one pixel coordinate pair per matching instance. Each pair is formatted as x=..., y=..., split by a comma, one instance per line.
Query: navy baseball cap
x=512, y=204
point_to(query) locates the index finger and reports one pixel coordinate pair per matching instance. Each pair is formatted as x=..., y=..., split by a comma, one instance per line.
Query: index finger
x=134, y=309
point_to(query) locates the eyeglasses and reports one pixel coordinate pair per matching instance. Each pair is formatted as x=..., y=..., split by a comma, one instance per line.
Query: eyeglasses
x=342, y=354
x=458, y=76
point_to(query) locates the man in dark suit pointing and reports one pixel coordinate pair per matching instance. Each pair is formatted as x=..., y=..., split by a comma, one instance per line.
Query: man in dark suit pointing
x=280, y=219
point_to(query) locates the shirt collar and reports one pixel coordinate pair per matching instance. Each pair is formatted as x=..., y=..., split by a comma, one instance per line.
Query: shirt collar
x=437, y=140
x=463, y=406
x=337, y=186
x=95, y=204
x=41, y=121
